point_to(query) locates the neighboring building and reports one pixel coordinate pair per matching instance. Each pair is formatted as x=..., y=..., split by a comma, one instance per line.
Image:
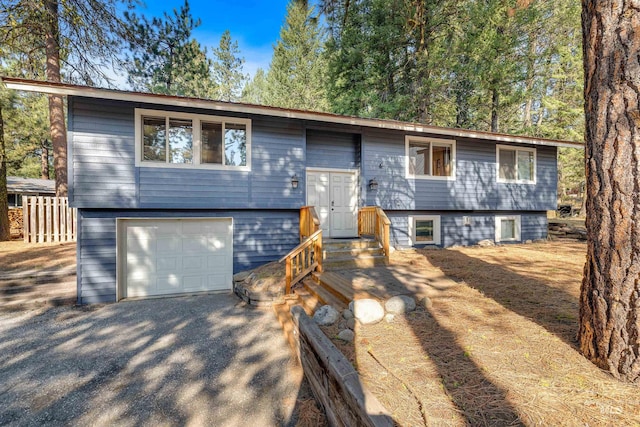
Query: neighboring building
x=20, y=187
x=176, y=194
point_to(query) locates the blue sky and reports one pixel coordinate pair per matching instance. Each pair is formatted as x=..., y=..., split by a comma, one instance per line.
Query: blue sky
x=254, y=24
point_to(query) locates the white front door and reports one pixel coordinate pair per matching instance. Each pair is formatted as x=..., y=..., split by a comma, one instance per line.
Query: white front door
x=335, y=197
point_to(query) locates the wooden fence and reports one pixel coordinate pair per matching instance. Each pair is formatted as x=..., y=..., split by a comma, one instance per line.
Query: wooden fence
x=48, y=219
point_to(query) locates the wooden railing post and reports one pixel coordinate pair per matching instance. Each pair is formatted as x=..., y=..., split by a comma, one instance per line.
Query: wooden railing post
x=287, y=289
x=318, y=255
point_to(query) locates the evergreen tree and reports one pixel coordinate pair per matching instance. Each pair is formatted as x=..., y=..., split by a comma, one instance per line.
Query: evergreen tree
x=77, y=40
x=165, y=58
x=227, y=69
x=255, y=90
x=297, y=72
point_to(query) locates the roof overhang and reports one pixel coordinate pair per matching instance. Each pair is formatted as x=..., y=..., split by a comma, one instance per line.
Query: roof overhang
x=65, y=89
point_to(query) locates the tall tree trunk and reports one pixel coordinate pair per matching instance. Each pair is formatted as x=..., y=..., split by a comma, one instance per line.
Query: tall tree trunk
x=56, y=104
x=5, y=232
x=609, y=331
x=495, y=103
x=44, y=160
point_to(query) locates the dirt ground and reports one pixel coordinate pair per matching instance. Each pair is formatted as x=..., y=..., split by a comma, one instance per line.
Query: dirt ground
x=495, y=345
x=16, y=256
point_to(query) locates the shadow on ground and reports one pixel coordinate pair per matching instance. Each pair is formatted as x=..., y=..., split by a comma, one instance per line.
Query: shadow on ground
x=200, y=360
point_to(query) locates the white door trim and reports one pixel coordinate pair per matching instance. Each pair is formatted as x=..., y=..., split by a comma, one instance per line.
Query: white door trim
x=356, y=175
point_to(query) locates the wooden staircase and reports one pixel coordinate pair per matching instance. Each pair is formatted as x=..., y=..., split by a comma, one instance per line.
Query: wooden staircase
x=352, y=253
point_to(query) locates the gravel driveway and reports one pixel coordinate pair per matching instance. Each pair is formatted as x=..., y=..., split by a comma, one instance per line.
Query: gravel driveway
x=198, y=360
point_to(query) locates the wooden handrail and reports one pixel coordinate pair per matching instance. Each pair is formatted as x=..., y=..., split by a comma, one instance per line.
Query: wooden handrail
x=302, y=260
x=309, y=222
x=372, y=221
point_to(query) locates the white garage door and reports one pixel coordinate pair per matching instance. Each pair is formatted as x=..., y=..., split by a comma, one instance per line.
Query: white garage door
x=171, y=256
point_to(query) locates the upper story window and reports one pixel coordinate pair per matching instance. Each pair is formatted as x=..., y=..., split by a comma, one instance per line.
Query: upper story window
x=430, y=158
x=192, y=140
x=516, y=164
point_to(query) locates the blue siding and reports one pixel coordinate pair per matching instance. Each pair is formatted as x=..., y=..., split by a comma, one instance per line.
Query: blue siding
x=102, y=148
x=258, y=237
x=105, y=176
x=475, y=186
x=332, y=150
x=454, y=232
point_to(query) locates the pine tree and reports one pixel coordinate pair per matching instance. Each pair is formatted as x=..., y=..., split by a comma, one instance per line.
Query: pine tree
x=254, y=91
x=227, y=69
x=165, y=58
x=298, y=68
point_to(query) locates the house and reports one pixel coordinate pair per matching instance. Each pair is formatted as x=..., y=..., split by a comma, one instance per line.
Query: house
x=176, y=194
x=19, y=187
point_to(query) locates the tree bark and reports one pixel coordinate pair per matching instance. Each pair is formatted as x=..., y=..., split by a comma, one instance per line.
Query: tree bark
x=495, y=104
x=5, y=232
x=56, y=104
x=609, y=327
x=44, y=160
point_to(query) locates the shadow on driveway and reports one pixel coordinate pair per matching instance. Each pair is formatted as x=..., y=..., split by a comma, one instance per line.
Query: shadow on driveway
x=191, y=360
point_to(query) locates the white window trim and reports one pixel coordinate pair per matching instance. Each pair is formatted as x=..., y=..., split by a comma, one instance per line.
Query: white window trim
x=518, y=225
x=433, y=141
x=196, y=119
x=516, y=149
x=436, y=229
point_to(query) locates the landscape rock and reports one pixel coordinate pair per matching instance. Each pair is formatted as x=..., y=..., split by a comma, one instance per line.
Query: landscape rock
x=367, y=311
x=239, y=277
x=326, y=315
x=351, y=323
x=528, y=242
x=426, y=303
x=486, y=243
x=389, y=317
x=400, y=304
x=346, y=335
x=347, y=314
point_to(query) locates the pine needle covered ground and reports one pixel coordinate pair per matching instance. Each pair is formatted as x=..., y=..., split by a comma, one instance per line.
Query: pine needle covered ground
x=494, y=346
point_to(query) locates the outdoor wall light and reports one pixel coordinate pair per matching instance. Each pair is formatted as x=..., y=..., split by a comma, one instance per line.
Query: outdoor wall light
x=294, y=181
x=373, y=184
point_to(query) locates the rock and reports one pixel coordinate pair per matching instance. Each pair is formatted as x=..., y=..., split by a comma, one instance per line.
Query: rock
x=250, y=278
x=346, y=335
x=342, y=324
x=486, y=242
x=351, y=323
x=347, y=314
x=426, y=303
x=239, y=277
x=400, y=304
x=389, y=317
x=367, y=311
x=528, y=242
x=326, y=315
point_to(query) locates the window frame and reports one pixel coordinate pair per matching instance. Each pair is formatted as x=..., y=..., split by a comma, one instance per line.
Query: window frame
x=438, y=142
x=516, y=149
x=437, y=231
x=518, y=228
x=196, y=120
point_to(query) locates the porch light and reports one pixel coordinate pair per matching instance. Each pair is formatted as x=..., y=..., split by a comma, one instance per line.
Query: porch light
x=294, y=181
x=373, y=184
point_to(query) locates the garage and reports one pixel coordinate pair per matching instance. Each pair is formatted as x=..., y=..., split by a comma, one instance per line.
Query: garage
x=174, y=256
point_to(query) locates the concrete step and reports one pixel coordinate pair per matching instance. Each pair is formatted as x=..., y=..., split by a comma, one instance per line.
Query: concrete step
x=324, y=295
x=365, y=261
x=352, y=253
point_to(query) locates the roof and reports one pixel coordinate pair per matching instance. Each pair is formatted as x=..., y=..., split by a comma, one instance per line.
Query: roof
x=30, y=185
x=66, y=89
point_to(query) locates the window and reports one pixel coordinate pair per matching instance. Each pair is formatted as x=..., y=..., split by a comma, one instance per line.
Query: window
x=516, y=164
x=508, y=228
x=191, y=140
x=430, y=158
x=424, y=230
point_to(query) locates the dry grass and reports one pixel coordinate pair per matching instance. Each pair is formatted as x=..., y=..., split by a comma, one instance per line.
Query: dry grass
x=496, y=346
x=18, y=256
